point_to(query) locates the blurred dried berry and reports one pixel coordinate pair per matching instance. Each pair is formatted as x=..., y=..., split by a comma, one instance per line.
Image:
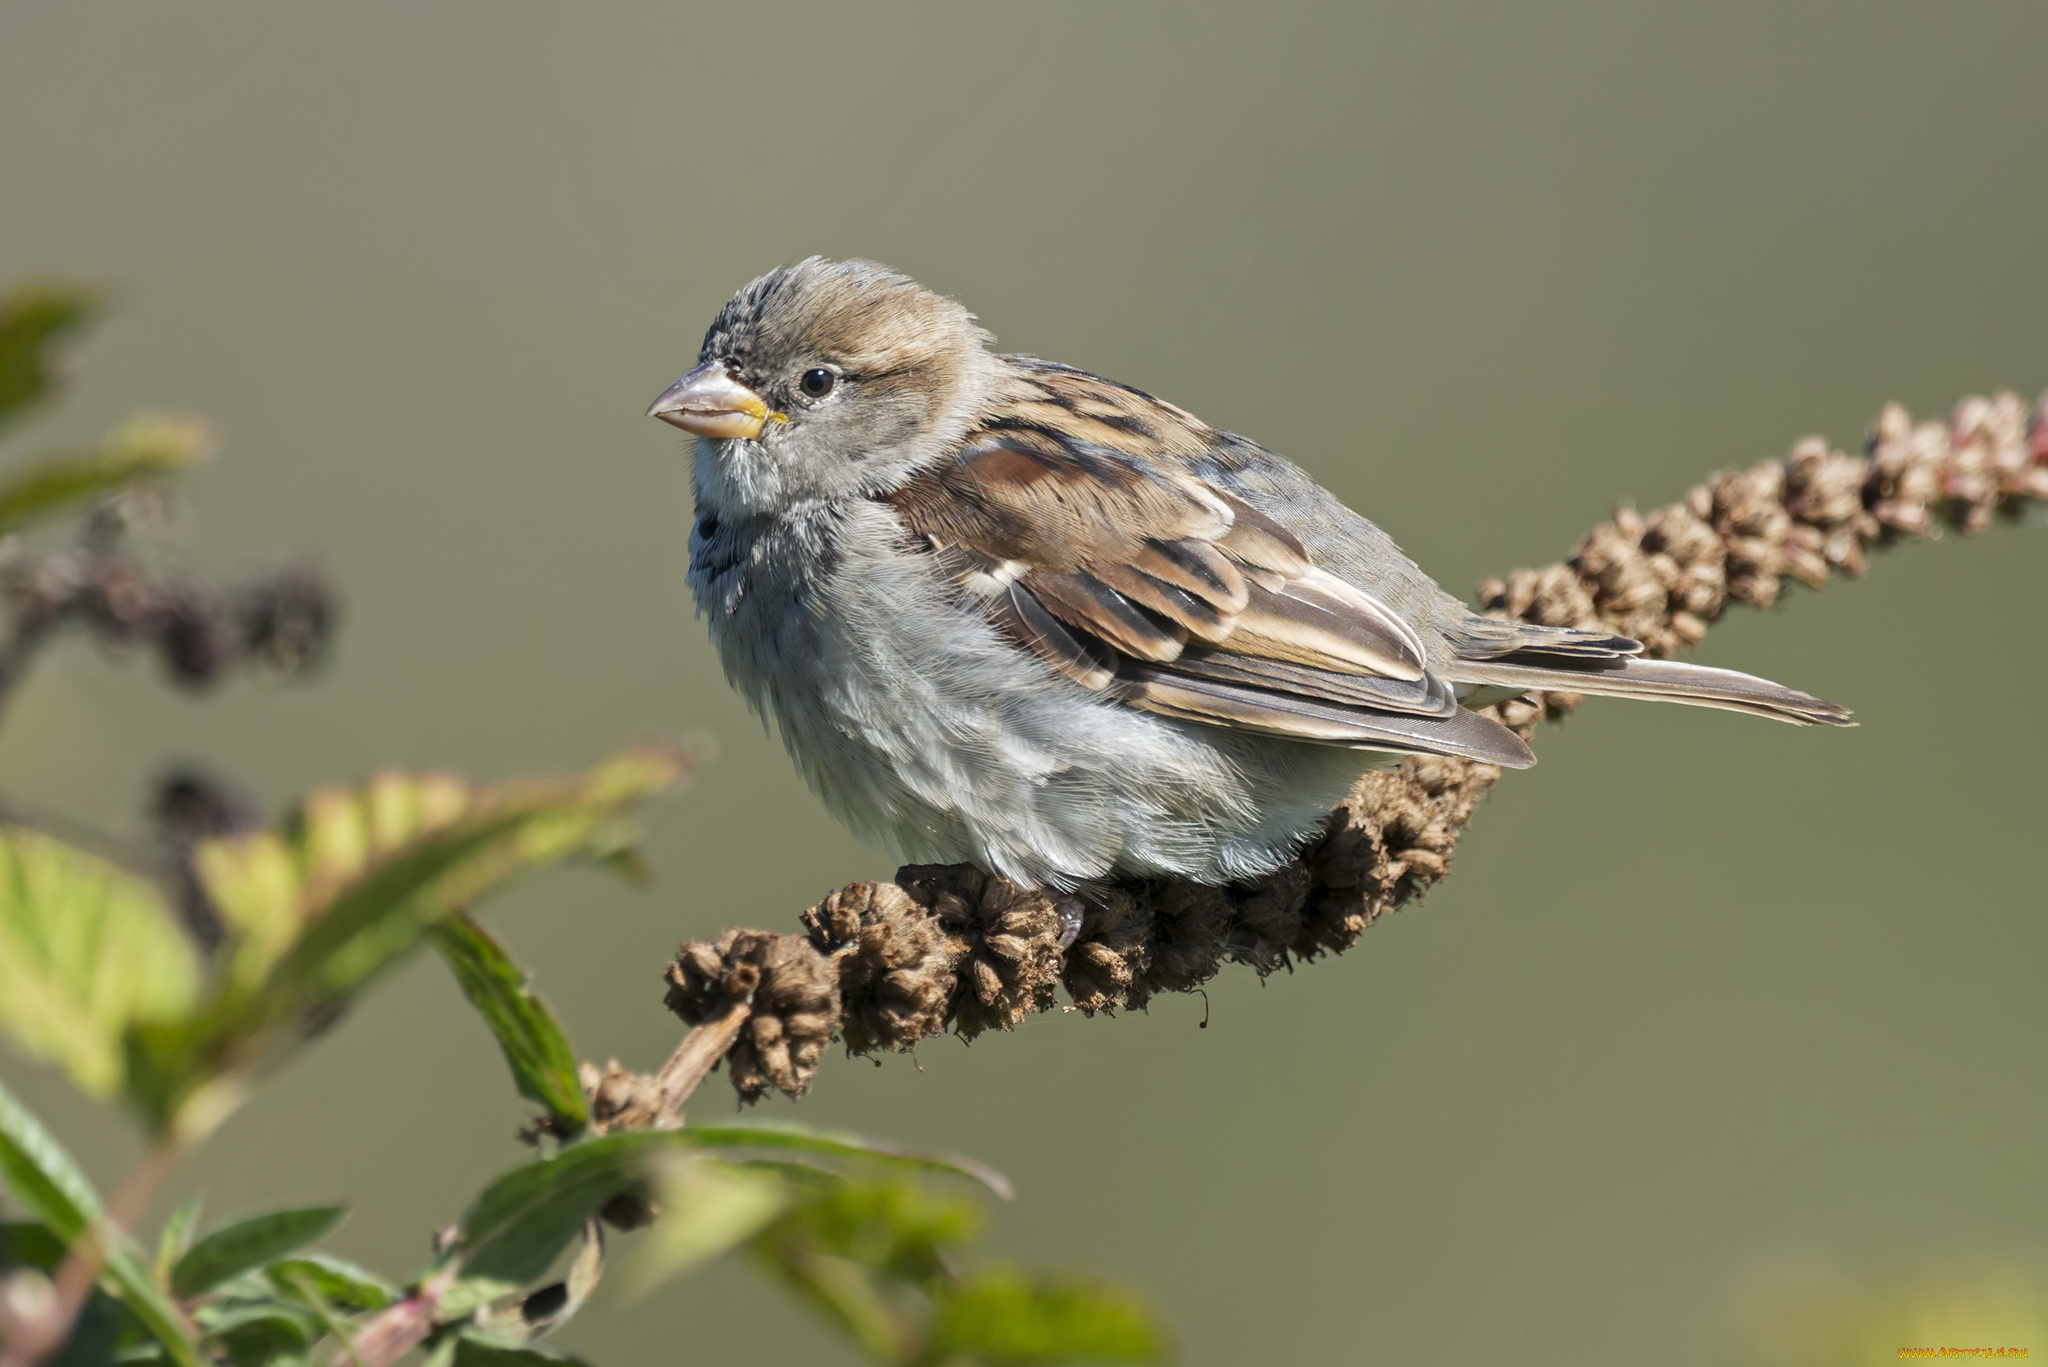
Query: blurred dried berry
x=191, y=804
x=188, y=806
x=194, y=635
x=284, y=622
x=288, y=619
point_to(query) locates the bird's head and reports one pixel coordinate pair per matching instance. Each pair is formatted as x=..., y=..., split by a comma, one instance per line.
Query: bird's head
x=826, y=380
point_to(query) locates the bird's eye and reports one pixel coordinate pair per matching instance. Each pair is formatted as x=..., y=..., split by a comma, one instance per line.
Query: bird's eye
x=817, y=382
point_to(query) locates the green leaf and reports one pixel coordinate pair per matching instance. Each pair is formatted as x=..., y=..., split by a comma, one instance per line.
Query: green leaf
x=252, y=882
x=30, y=1245
x=365, y=876
x=45, y=1180
x=86, y=948
x=855, y=1250
x=259, y=1333
x=1001, y=1316
x=249, y=1244
x=843, y=1290
x=214, y=1320
x=176, y=1236
x=897, y=1228
x=484, y=1350
x=41, y=1175
x=104, y=1328
x=543, y=1065
x=322, y=1311
x=147, y=447
x=540, y=1312
x=371, y=923
x=706, y=1207
x=156, y=1310
x=340, y=1282
x=35, y=320
x=837, y=1144
x=522, y=1221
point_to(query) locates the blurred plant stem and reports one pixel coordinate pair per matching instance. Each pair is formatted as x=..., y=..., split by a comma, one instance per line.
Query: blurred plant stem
x=35, y=1340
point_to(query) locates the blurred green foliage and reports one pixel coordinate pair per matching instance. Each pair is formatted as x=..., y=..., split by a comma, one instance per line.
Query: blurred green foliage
x=36, y=323
x=169, y=982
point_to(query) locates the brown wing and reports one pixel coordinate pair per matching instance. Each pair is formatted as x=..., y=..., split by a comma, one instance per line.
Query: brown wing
x=1072, y=518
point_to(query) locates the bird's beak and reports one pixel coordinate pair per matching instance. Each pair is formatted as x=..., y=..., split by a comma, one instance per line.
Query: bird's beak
x=711, y=403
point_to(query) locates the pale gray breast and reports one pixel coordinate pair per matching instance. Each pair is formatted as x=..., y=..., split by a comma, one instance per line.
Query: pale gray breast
x=747, y=578
x=926, y=730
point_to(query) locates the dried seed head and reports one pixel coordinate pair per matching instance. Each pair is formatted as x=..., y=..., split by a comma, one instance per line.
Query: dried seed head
x=895, y=962
x=792, y=988
x=889, y=964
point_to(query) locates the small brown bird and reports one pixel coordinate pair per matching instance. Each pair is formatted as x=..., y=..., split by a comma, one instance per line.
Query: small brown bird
x=1012, y=613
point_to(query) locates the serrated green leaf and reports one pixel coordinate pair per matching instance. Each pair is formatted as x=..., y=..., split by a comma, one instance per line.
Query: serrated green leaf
x=54, y=1189
x=543, y=1065
x=252, y=882
x=372, y=922
x=707, y=1207
x=1009, y=1317
x=837, y=1144
x=249, y=1244
x=35, y=321
x=362, y=914
x=86, y=948
x=144, y=448
x=339, y=1282
x=357, y=907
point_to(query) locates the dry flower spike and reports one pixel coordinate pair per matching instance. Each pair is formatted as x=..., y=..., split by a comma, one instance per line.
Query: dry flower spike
x=884, y=965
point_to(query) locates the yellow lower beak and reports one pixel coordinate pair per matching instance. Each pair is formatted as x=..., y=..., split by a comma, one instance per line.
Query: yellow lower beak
x=711, y=403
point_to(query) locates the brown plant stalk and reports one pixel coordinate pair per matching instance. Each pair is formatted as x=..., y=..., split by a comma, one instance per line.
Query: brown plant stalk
x=33, y=1338
x=885, y=965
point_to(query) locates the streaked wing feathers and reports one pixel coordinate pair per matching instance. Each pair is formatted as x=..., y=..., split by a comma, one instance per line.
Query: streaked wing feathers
x=1072, y=518
x=1427, y=696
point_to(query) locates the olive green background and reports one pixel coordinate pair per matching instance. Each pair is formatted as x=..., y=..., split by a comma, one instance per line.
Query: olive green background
x=1711, y=1013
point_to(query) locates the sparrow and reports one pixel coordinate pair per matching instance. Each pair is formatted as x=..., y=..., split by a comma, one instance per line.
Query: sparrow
x=1010, y=613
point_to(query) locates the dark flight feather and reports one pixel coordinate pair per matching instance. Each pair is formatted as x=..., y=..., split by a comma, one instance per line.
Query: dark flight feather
x=1660, y=680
